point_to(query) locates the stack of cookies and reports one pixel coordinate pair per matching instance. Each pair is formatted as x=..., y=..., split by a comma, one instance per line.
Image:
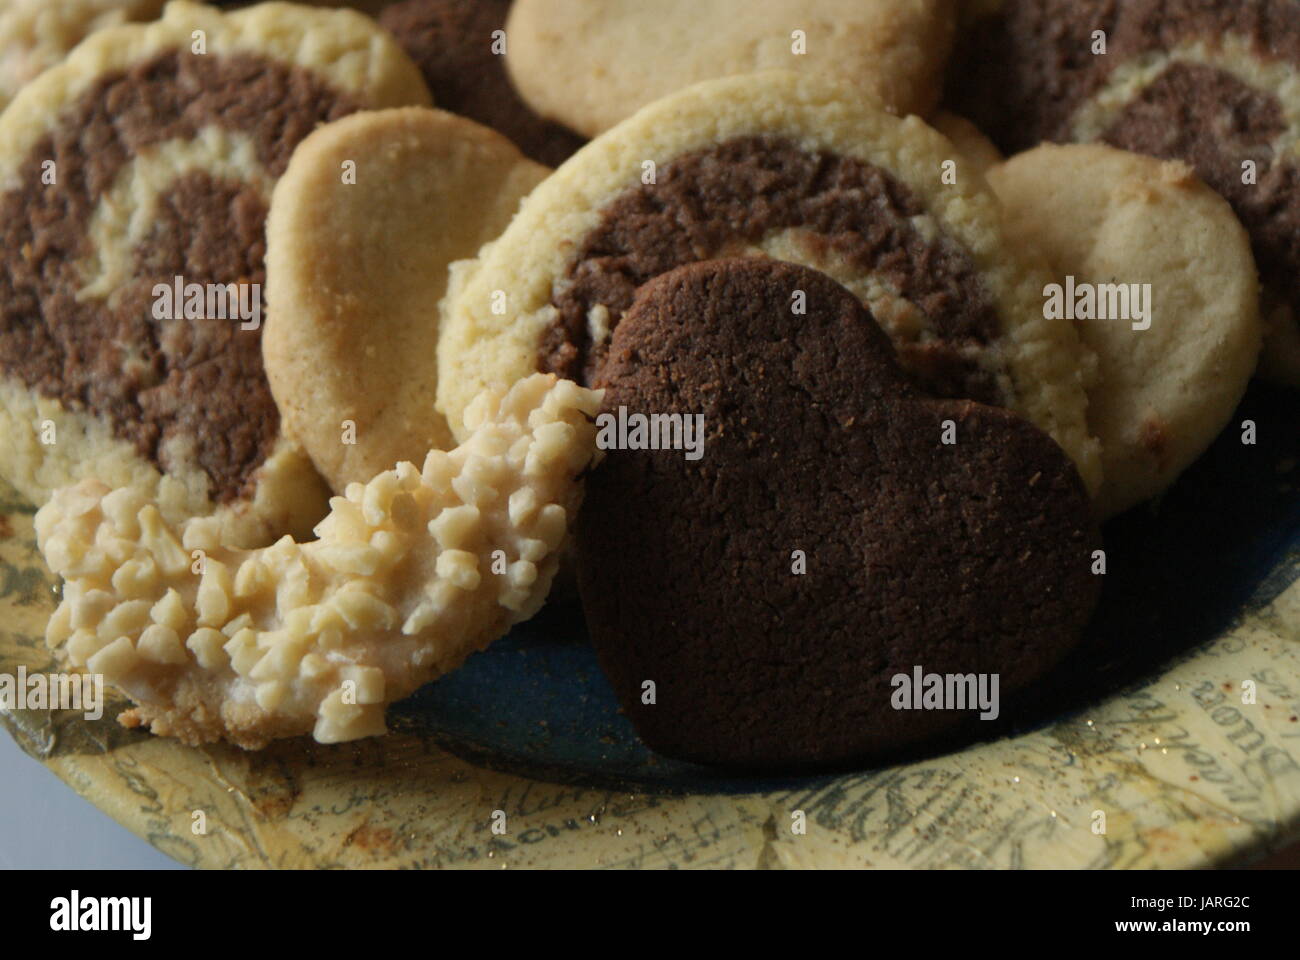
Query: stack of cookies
x=745, y=319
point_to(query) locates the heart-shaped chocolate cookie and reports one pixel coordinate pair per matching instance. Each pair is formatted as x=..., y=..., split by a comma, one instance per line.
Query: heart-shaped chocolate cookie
x=757, y=584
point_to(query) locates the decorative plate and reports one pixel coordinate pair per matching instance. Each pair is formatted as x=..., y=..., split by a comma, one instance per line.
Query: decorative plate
x=1144, y=751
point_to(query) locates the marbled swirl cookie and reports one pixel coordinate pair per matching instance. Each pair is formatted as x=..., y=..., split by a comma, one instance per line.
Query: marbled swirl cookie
x=1213, y=83
x=37, y=34
x=134, y=185
x=792, y=167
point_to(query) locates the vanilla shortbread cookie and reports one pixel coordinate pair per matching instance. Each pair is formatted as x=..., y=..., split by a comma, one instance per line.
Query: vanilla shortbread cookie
x=37, y=34
x=134, y=183
x=1106, y=216
x=411, y=573
x=979, y=152
x=794, y=167
x=363, y=226
x=591, y=63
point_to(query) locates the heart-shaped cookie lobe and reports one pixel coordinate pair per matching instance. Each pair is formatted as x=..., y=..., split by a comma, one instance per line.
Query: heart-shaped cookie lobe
x=784, y=526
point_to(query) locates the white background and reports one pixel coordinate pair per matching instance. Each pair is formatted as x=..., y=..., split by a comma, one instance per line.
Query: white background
x=44, y=824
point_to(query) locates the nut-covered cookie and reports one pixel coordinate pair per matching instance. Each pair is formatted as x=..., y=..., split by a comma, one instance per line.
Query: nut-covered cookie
x=134, y=184
x=1149, y=238
x=460, y=46
x=1213, y=83
x=363, y=225
x=592, y=63
x=754, y=602
x=793, y=167
x=412, y=572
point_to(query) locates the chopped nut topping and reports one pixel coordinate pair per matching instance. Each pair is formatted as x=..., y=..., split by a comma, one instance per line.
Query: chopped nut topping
x=319, y=637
